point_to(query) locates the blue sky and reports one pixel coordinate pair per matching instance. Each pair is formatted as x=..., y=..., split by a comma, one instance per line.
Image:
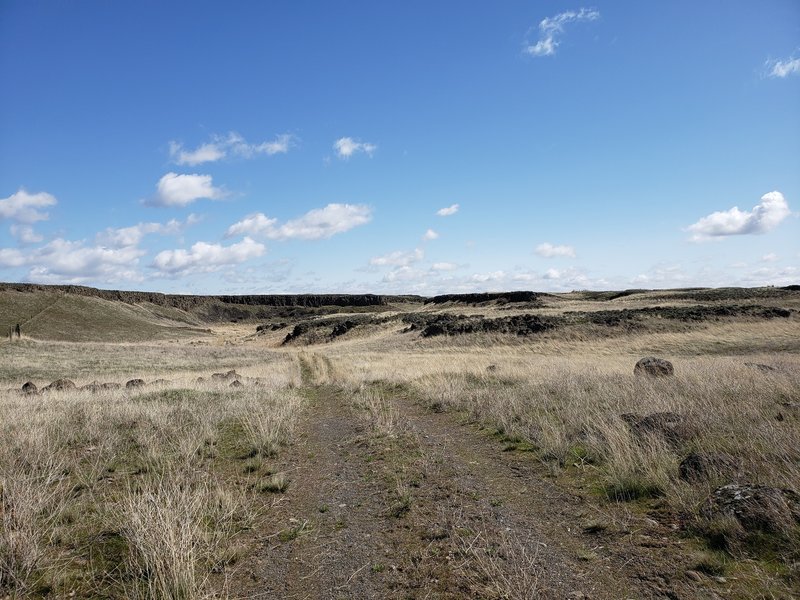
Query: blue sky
x=409, y=147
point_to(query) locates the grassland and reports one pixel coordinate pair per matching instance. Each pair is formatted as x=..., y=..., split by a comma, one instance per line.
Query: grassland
x=367, y=456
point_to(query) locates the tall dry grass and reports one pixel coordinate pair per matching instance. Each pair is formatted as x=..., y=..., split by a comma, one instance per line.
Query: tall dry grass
x=154, y=469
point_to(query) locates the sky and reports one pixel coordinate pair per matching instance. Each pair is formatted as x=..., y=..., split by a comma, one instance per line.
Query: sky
x=399, y=147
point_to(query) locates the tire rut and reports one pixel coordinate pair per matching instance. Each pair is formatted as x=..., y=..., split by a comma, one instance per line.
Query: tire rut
x=327, y=535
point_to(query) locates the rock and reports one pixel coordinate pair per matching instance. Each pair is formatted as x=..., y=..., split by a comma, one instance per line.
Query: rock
x=491, y=368
x=232, y=374
x=694, y=576
x=110, y=386
x=29, y=388
x=755, y=507
x=160, y=382
x=134, y=383
x=93, y=387
x=702, y=466
x=61, y=385
x=669, y=426
x=200, y=380
x=654, y=367
x=236, y=384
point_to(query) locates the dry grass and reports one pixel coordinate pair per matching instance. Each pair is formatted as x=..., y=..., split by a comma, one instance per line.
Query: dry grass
x=135, y=493
x=153, y=471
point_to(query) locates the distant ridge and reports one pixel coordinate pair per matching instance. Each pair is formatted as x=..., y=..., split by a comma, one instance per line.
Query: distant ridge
x=189, y=301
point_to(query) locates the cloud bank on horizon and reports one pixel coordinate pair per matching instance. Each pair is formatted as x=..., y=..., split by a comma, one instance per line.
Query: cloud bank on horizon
x=586, y=160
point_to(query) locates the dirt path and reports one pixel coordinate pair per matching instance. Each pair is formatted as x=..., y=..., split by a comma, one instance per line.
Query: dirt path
x=328, y=540
x=438, y=510
x=635, y=557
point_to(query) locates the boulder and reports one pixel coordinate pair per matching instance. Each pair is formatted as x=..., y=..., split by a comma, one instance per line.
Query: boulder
x=61, y=385
x=93, y=387
x=671, y=427
x=29, y=388
x=110, y=386
x=653, y=367
x=702, y=466
x=755, y=507
x=236, y=384
x=134, y=383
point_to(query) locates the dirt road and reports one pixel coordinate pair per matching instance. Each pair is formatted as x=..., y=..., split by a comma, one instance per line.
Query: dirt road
x=439, y=510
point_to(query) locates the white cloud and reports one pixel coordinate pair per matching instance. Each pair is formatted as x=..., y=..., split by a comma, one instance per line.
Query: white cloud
x=345, y=147
x=11, y=257
x=24, y=207
x=444, y=266
x=551, y=27
x=398, y=258
x=64, y=261
x=403, y=273
x=181, y=190
x=131, y=236
x=548, y=250
x=316, y=224
x=765, y=216
x=233, y=144
x=25, y=234
x=448, y=210
x=783, y=68
x=206, y=258
x=430, y=235
x=202, y=154
x=771, y=257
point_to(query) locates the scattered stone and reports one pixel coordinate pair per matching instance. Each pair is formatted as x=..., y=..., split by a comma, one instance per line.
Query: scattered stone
x=654, y=367
x=61, y=385
x=702, y=466
x=576, y=596
x=720, y=579
x=110, y=386
x=134, y=383
x=161, y=382
x=491, y=368
x=29, y=388
x=93, y=387
x=755, y=507
x=236, y=384
x=694, y=576
x=669, y=426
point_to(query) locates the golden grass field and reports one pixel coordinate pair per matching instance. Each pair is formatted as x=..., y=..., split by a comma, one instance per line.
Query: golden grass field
x=175, y=489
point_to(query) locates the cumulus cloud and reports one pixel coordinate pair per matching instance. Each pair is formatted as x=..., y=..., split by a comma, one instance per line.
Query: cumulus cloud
x=181, y=190
x=783, y=68
x=771, y=257
x=448, y=210
x=25, y=234
x=430, y=235
x=203, y=257
x=232, y=144
x=131, y=236
x=65, y=261
x=550, y=28
x=316, y=224
x=765, y=216
x=398, y=258
x=25, y=208
x=548, y=250
x=345, y=147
